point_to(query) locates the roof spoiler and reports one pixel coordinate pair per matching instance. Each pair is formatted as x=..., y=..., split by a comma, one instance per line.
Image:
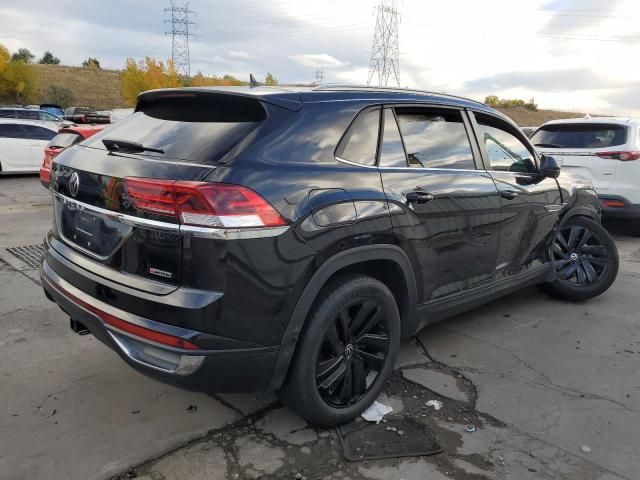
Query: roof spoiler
x=285, y=99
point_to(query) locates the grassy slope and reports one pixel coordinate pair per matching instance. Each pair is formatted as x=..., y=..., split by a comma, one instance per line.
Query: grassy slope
x=527, y=118
x=91, y=86
x=101, y=89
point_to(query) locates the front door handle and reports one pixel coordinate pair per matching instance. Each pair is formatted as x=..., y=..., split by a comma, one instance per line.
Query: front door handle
x=419, y=197
x=508, y=194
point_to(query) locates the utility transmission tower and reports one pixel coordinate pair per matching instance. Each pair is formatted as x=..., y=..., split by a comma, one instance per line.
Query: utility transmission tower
x=181, y=30
x=319, y=76
x=385, y=54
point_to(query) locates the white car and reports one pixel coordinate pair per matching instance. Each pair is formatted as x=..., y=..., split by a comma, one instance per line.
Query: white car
x=606, y=150
x=22, y=144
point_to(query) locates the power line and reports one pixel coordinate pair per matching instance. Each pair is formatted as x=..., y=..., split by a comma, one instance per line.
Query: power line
x=385, y=54
x=181, y=31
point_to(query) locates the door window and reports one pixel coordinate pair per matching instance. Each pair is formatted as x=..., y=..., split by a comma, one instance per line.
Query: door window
x=392, y=151
x=435, y=138
x=10, y=130
x=38, y=133
x=506, y=152
x=360, y=143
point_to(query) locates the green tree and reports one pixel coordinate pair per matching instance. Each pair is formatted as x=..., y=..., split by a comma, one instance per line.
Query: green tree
x=23, y=54
x=18, y=83
x=59, y=96
x=492, y=100
x=5, y=57
x=147, y=74
x=91, y=62
x=270, y=79
x=49, y=59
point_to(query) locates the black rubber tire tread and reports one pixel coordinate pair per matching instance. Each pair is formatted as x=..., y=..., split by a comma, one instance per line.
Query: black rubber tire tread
x=564, y=291
x=299, y=391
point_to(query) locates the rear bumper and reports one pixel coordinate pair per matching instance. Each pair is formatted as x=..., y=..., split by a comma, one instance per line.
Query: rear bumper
x=206, y=370
x=617, y=206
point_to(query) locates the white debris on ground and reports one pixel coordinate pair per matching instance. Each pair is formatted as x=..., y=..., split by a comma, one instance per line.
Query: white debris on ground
x=436, y=404
x=376, y=412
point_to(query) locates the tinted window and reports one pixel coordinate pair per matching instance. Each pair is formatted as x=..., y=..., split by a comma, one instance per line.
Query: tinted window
x=38, y=133
x=506, y=152
x=9, y=130
x=392, y=152
x=7, y=114
x=580, y=135
x=47, y=116
x=188, y=126
x=28, y=114
x=360, y=143
x=64, y=140
x=435, y=138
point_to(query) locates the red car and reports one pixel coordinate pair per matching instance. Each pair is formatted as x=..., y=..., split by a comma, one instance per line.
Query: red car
x=66, y=137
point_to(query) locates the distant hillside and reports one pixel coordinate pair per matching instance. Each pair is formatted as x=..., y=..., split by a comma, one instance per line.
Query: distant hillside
x=528, y=118
x=91, y=87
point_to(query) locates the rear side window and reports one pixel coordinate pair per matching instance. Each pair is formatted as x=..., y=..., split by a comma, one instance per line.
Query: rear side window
x=360, y=143
x=197, y=127
x=64, y=140
x=580, y=135
x=7, y=114
x=435, y=138
x=28, y=114
x=9, y=130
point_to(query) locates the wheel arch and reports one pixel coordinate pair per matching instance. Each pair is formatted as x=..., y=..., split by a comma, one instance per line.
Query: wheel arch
x=362, y=260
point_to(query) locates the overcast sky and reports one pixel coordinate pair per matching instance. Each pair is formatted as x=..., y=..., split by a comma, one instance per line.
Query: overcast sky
x=577, y=55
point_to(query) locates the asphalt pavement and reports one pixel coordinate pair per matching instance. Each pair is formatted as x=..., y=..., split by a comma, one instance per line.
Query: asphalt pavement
x=551, y=389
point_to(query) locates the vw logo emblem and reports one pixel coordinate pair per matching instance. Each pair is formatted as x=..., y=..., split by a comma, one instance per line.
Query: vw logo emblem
x=74, y=184
x=348, y=351
x=574, y=256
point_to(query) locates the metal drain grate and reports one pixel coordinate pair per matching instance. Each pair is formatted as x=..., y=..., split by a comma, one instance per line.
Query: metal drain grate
x=29, y=254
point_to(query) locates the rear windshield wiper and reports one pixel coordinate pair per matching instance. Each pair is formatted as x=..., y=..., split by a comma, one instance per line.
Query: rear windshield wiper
x=125, y=146
x=547, y=145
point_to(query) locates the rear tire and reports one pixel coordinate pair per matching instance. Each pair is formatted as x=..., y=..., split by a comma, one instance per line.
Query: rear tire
x=346, y=353
x=585, y=258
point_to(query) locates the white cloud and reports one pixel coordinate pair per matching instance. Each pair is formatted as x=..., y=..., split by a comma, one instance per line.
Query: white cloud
x=317, y=60
x=238, y=55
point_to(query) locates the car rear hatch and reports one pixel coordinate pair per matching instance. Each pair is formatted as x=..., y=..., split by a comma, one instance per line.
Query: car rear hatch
x=115, y=195
x=587, y=147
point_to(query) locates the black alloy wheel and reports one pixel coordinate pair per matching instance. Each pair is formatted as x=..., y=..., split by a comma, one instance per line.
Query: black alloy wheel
x=346, y=352
x=585, y=260
x=353, y=353
x=580, y=257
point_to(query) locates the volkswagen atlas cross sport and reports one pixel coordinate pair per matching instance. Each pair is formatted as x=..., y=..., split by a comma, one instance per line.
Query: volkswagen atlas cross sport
x=240, y=239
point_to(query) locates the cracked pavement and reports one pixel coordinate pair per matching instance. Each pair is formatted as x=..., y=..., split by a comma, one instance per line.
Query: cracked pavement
x=553, y=389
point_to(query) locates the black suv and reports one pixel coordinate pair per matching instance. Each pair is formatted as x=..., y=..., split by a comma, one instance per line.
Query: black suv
x=254, y=238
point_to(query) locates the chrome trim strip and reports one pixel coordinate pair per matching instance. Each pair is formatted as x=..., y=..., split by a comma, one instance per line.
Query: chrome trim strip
x=204, y=232
x=232, y=233
x=63, y=286
x=187, y=364
x=552, y=207
x=119, y=217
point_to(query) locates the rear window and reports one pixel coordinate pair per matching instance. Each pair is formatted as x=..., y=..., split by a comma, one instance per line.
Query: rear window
x=64, y=140
x=580, y=135
x=197, y=127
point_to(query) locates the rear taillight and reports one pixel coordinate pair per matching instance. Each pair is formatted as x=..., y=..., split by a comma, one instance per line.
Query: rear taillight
x=614, y=203
x=202, y=203
x=45, y=169
x=622, y=156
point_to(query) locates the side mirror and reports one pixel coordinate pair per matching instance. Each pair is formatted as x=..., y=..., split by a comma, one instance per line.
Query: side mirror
x=549, y=167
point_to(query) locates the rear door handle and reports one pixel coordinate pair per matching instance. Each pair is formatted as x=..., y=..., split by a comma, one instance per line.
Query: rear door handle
x=419, y=197
x=508, y=194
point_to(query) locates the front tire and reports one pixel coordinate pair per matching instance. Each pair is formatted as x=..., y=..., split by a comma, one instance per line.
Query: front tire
x=585, y=258
x=346, y=353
